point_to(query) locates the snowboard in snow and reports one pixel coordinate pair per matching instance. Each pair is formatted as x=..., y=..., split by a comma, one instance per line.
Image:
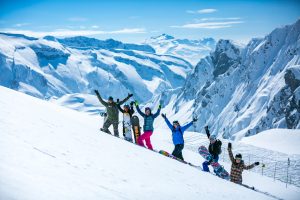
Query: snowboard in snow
x=218, y=169
x=135, y=123
x=171, y=156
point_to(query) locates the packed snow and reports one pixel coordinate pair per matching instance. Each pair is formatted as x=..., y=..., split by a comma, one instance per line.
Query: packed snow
x=281, y=140
x=51, y=152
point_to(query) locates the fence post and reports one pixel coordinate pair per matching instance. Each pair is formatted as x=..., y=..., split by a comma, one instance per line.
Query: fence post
x=287, y=172
x=275, y=171
x=224, y=154
x=249, y=160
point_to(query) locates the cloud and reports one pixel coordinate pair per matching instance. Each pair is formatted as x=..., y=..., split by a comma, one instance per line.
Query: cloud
x=70, y=33
x=219, y=19
x=95, y=26
x=77, y=19
x=209, y=25
x=202, y=11
x=208, y=10
x=21, y=24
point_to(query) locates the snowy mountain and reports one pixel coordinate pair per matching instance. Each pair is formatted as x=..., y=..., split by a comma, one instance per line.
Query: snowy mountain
x=51, y=67
x=240, y=91
x=191, y=50
x=51, y=152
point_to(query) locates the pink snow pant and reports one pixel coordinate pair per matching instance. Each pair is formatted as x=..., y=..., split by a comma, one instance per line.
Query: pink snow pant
x=145, y=136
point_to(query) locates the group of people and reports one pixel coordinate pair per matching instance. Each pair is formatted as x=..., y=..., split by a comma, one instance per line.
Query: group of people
x=214, y=148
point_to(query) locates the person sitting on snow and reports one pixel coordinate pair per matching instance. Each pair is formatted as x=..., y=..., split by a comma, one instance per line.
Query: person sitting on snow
x=237, y=166
x=177, y=135
x=214, y=149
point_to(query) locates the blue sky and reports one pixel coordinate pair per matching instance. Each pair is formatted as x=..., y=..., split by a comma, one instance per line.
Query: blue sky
x=137, y=20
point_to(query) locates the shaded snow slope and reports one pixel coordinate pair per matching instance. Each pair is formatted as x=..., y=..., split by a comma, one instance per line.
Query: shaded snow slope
x=241, y=91
x=49, y=67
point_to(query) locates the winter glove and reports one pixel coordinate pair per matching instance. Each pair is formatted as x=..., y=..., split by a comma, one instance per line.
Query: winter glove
x=136, y=103
x=163, y=115
x=229, y=145
x=159, y=106
x=256, y=163
x=124, y=134
x=130, y=95
x=96, y=91
x=118, y=100
x=206, y=128
x=195, y=119
x=131, y=103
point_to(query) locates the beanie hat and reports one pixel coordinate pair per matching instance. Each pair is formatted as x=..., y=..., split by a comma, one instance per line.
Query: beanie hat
x=238, y=156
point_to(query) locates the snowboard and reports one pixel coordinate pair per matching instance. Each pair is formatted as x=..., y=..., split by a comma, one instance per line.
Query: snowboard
x=135, y=123
x=218, y=169
x=171, y=156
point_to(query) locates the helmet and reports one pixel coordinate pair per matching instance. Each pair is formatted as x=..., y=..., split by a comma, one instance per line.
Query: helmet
x=147, y=108
x=110, y=98
x=126, y=106
x=212, y=137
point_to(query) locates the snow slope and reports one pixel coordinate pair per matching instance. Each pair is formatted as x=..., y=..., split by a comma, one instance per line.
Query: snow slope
x=282, y=140
x=51, y=152
x=190, y=50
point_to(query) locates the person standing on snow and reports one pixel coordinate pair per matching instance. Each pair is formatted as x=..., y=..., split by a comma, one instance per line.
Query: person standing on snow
x=112, y=113
x=214, y=149
x=148, y=125
x=177, y=135
x=237, y=166
x=127, y=115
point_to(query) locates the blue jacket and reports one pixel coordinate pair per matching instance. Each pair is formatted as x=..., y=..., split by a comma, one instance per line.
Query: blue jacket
x=177, y=135
x=148, y=120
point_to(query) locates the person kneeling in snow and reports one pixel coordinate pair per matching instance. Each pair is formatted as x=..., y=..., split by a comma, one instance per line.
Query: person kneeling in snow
x=237, y=166
x=214, y=149
x=177, y=135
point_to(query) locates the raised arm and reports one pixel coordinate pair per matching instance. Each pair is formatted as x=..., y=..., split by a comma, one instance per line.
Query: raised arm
x=247, y=167
x=230, y=153
x=100, y=98
x=157, y=112
x=126, y=99
x=138, y=110
x=207, y=131
x=185, y=127
x=120, y=109
x=131, y=108
x=167, y=121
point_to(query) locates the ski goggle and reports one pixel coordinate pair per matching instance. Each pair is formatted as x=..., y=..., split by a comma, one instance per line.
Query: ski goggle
x=176, y=123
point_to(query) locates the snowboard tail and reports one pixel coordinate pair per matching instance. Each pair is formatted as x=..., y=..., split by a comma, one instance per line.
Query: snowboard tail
x=218, y=169
x=135, y=122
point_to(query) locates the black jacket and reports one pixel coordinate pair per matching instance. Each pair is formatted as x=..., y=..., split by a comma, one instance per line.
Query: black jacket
x=215, y=148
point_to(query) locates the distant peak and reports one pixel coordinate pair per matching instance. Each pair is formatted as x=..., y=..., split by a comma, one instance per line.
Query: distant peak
x=163, y=37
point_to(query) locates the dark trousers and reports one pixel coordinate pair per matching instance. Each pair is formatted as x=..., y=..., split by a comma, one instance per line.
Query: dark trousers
x=206, y=163
x=108, y=123
x=177, y=152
